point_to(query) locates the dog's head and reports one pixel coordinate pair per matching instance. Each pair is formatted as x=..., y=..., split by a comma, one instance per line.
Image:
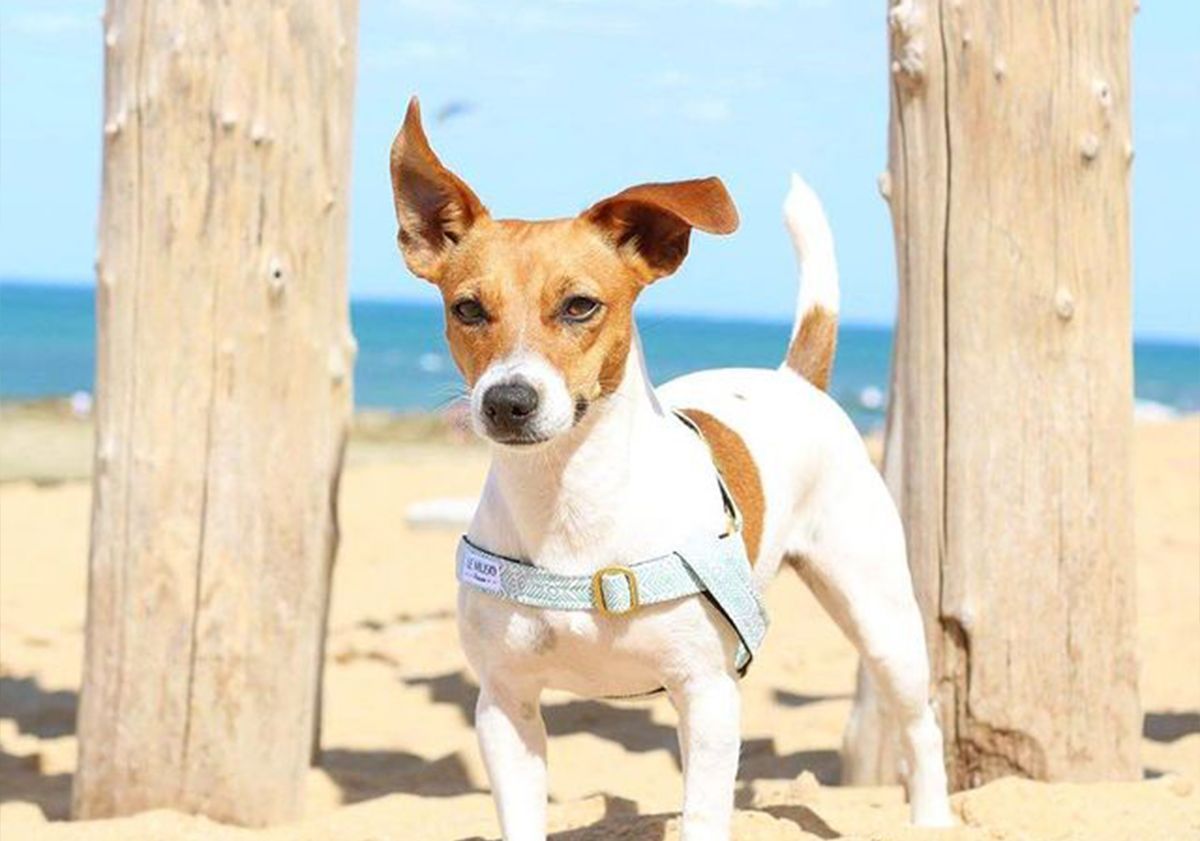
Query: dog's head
x=539, y=314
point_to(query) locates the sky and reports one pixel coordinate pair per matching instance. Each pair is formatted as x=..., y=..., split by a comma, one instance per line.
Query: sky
x=566, y=101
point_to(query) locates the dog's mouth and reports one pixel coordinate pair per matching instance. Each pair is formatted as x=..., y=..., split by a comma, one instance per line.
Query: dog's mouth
x=521, y=440
x=581, y=407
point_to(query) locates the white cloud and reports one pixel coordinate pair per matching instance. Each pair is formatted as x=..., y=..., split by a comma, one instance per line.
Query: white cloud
x=744, y=80
x=573, y=16
x=424, y=50
x=774, y=4
x=436, y=8
x=51, y=23
x=708, y=110
x=670, y=79
x=408, y=53
x=569, y=19
x=731, y=83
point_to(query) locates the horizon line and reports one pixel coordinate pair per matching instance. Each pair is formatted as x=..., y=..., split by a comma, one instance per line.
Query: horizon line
x=658, y=312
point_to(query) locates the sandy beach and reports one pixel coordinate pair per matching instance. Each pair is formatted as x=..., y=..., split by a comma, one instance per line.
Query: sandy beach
x=400, y=760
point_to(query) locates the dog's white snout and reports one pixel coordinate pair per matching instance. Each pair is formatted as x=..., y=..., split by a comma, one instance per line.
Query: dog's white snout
x=521, y=400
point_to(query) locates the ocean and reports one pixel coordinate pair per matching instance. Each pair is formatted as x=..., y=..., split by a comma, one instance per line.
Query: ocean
x=47, y=336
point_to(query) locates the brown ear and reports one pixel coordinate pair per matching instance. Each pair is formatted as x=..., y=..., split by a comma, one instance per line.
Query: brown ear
x=434, y=207
x=652, y=223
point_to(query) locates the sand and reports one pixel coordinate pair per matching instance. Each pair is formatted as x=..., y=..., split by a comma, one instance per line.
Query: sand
x=400, y=759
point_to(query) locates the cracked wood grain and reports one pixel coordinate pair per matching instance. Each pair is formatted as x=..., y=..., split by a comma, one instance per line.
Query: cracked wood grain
x=1009, y=429
x=223, y=397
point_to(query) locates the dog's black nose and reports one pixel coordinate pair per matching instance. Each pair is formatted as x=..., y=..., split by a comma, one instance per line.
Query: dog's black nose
x=508, y=406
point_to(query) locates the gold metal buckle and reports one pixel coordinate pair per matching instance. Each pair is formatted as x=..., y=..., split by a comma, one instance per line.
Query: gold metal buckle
x=598, y=589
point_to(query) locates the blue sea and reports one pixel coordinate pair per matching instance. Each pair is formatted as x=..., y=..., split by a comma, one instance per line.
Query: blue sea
x=47, y=336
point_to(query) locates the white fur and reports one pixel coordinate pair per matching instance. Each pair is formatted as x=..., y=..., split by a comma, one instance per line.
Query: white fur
x=631, y=482
x=813, y=242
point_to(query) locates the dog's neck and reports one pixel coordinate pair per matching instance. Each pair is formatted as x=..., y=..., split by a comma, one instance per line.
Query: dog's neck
x=627, y=483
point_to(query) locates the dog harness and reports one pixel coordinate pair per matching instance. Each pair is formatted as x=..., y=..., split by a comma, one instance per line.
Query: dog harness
x=716, y=566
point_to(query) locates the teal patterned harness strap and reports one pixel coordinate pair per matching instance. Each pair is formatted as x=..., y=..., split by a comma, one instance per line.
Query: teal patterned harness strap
x=717, y=567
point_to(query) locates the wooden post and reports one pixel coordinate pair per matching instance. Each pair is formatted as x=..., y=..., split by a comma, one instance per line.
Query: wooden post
x=224, y=392
x=1008, y=444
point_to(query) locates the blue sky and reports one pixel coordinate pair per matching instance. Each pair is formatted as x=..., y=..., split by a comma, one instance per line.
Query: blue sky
x=574, y=99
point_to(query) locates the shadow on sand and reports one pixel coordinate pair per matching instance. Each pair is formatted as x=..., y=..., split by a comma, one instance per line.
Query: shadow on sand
x=794, y=699
x=44, y=714
x=633, y=728
x=36, y=711
x=1168, y=727
x=621, y=821
x=367, y=774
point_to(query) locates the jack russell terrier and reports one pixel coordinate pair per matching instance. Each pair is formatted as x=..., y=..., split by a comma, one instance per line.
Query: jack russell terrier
x=605, y=557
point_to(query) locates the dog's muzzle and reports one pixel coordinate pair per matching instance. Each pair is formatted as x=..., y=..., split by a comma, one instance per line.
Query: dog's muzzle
x=509, y=408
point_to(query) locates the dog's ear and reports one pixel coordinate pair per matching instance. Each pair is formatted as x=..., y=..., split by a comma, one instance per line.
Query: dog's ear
x=434, y=207
x=650, y=224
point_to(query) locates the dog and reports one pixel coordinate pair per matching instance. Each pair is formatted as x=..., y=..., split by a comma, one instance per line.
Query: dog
x=592, y=471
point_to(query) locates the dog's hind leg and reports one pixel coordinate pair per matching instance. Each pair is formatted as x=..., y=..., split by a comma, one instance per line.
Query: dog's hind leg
x=869, y=743
x=852, y=557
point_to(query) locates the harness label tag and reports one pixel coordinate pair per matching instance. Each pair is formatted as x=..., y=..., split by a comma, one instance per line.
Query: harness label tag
x=480, y=572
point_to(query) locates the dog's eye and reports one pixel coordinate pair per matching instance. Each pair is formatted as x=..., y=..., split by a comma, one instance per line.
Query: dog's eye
x=469, y=311
x=579, y=308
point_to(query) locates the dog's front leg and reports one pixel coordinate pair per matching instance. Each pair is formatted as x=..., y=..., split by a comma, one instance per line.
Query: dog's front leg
x=512, y=738
x=710, y=740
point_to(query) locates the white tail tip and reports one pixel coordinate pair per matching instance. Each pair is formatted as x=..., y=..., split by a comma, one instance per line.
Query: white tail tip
x=813, y=241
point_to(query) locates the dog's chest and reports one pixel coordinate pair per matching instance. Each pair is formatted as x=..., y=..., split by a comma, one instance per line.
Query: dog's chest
x=589, y=653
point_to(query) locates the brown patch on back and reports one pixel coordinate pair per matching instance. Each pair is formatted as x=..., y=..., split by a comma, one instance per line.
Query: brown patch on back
x=737, y=467
x=811, y=353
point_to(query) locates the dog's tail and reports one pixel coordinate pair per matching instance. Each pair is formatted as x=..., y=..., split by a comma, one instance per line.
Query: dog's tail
x=814, y=335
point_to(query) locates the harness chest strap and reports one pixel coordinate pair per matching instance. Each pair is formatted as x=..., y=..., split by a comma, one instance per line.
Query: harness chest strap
x=717, y=567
